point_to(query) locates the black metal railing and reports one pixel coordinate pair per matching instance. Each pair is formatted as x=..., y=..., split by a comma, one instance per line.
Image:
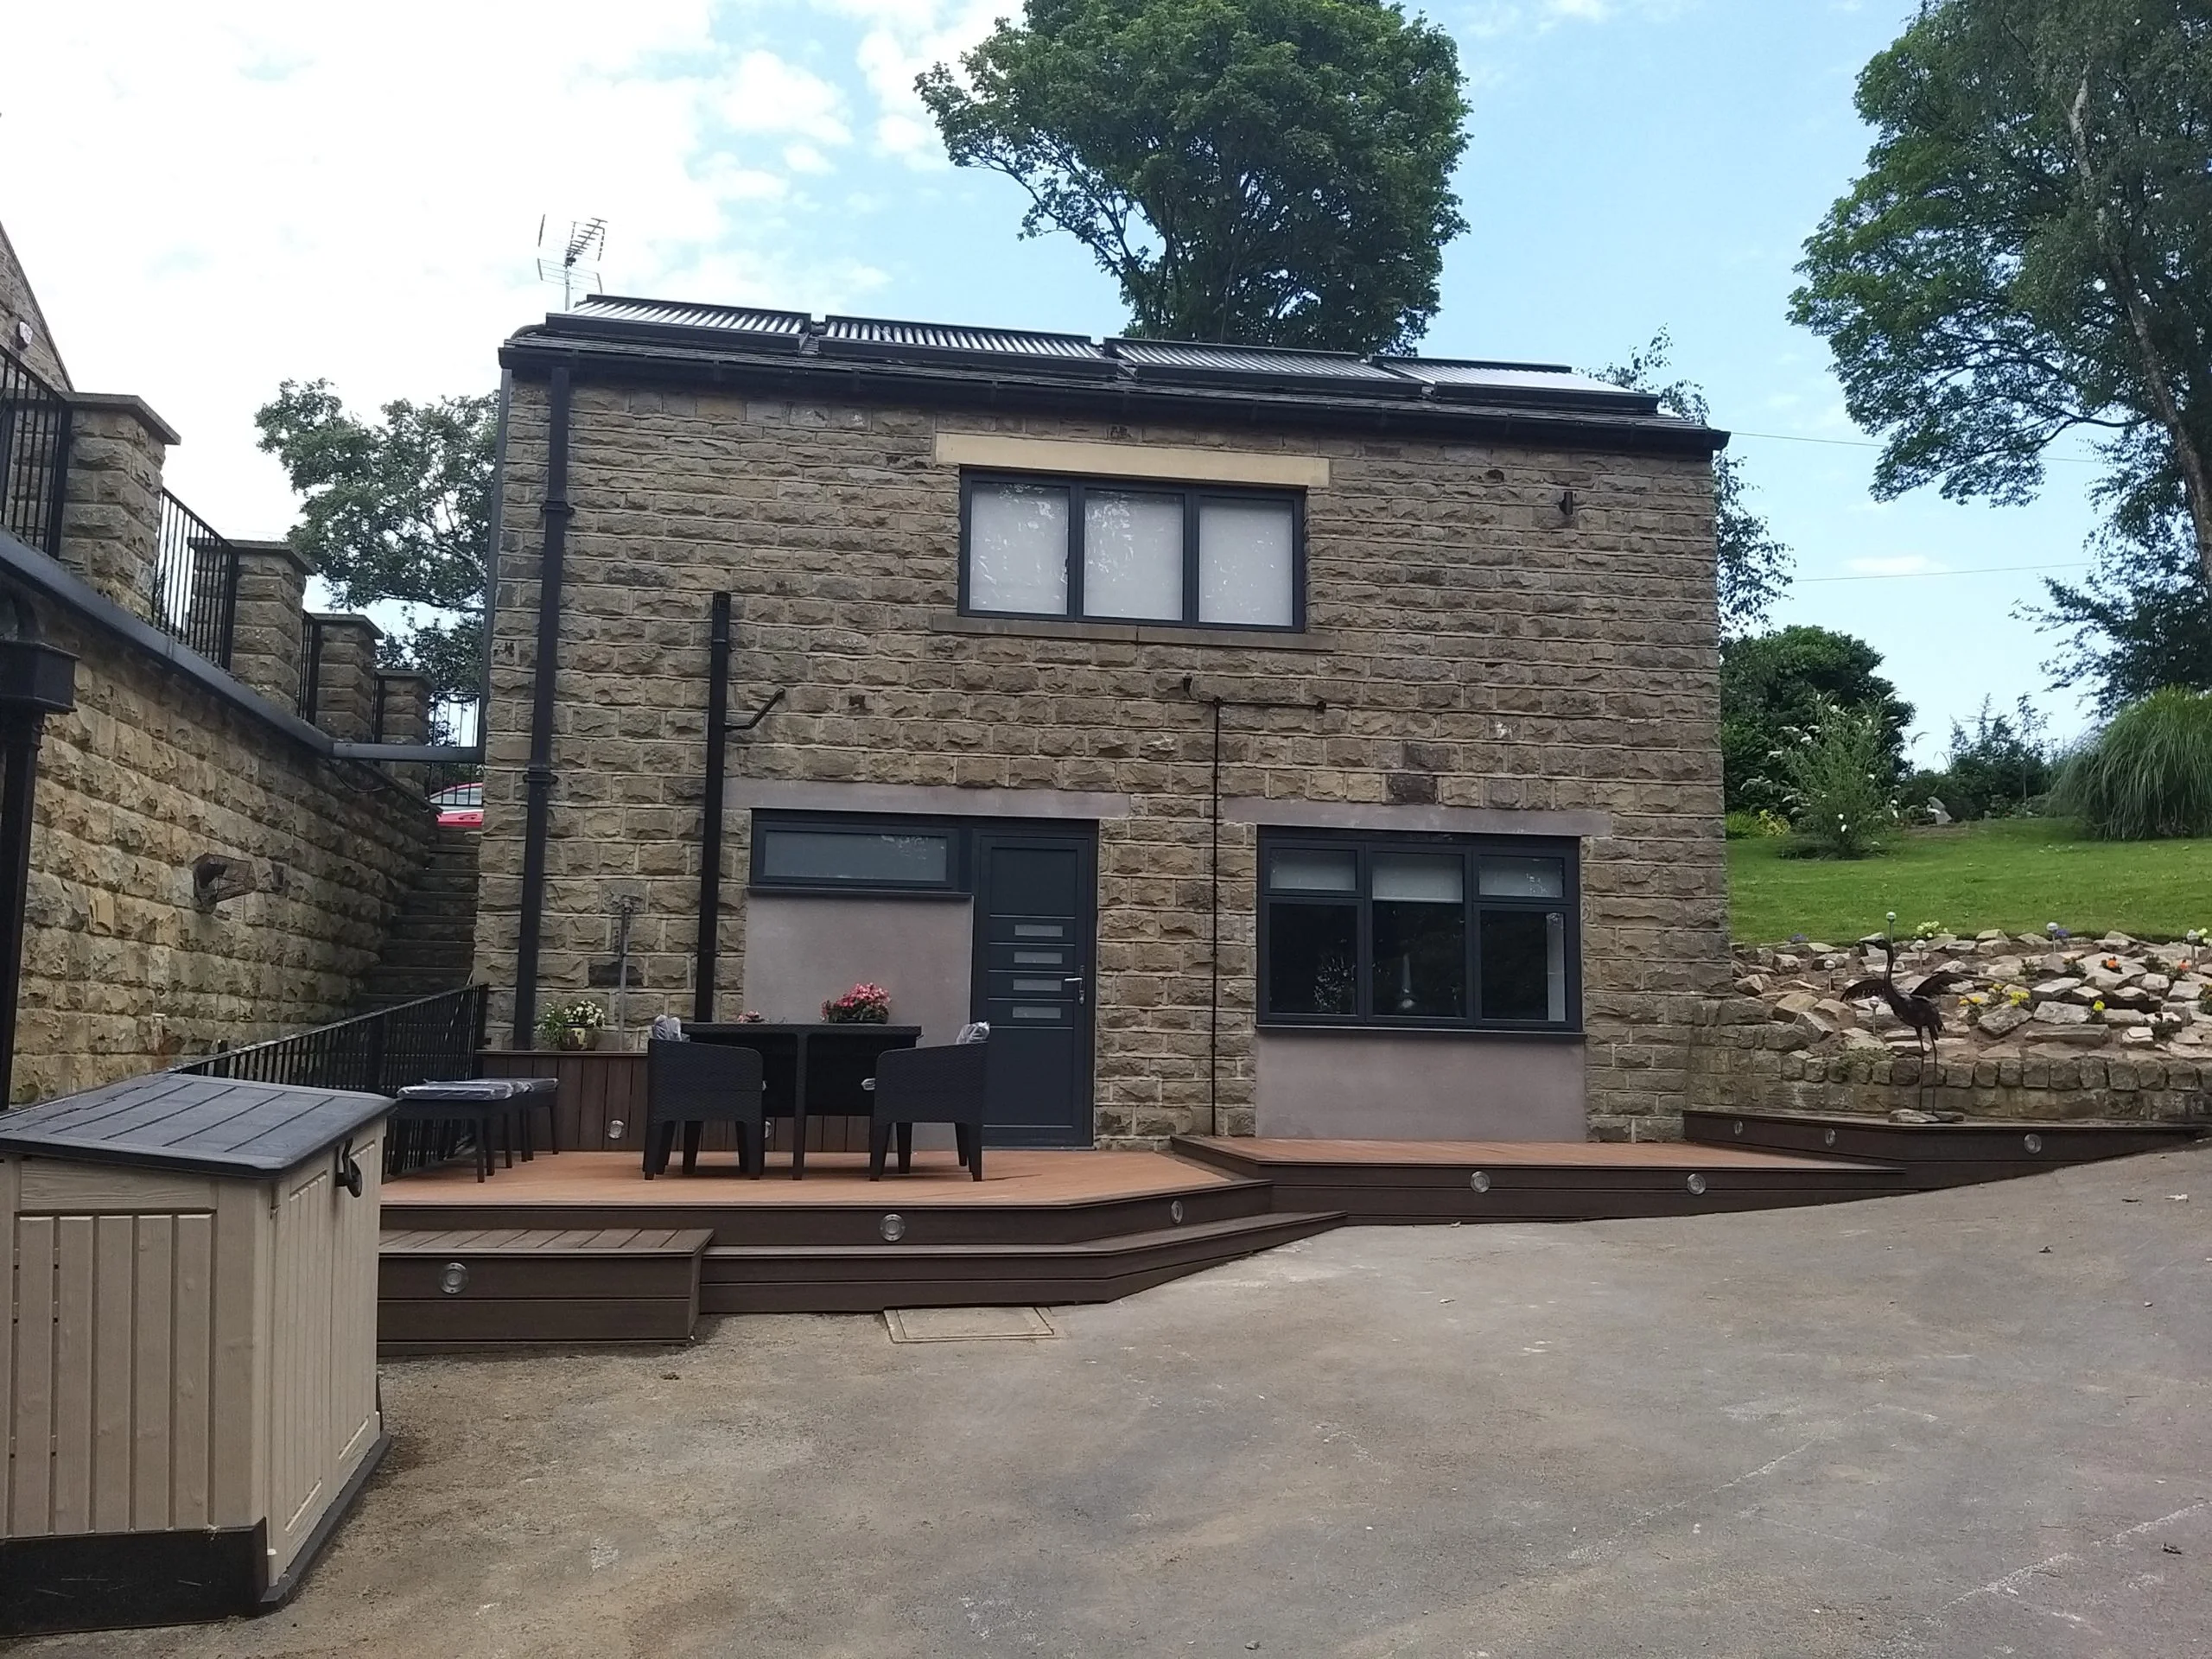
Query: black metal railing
x=311, y=666
x=195, y=583
x=435, y=1038
x=34, y=455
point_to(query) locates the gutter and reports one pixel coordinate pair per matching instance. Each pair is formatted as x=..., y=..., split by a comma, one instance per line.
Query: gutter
x=538, y=775
x=846, y=379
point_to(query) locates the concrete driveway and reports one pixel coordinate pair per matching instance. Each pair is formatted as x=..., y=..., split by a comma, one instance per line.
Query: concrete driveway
x=1969, y=1423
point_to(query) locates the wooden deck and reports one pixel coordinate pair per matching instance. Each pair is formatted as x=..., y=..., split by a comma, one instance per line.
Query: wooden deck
x=1060, y=1227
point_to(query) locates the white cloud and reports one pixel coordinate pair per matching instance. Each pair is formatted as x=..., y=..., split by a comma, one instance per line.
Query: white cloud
x=909, y=36
x=764, y=94
x=353, y=193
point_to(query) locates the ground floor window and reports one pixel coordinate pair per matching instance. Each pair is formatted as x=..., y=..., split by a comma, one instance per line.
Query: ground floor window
x=1450, y=931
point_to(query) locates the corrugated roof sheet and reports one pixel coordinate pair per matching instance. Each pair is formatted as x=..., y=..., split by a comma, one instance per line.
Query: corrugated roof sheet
x=1255, y=366
x=1453, y=376
x=786, y=330
x=888, y=338
x=213, y=1126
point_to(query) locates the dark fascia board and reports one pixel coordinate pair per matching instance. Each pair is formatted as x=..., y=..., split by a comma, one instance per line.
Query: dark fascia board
x=534, y=352
x=48, y=577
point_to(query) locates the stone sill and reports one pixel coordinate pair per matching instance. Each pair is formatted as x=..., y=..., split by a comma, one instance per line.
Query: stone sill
x=1129, y=633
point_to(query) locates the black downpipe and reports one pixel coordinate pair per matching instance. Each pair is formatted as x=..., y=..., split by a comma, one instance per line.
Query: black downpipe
x=710, y=838
x=538, y=777
x=18, y=787
x=1314, y=705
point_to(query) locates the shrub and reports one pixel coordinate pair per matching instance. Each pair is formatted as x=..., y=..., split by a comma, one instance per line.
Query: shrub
x=1753, y=826
x=2148, y=775
x=1837, y=772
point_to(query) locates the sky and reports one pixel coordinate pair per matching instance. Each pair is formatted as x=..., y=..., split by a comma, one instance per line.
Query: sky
x=215, y=198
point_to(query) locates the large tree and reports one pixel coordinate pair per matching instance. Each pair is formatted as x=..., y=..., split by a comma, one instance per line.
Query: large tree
x=1754, y=567
x=2029, y=253
x=396, y=510
x=1774, y=684
x=1274, y=172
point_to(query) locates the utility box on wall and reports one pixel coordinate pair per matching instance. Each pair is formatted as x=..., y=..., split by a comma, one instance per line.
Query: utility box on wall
x=187, y=1380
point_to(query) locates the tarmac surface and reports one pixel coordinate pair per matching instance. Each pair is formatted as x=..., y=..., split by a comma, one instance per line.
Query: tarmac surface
x=1975, y=1422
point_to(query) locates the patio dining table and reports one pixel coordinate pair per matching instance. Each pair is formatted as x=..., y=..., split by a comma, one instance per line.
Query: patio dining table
x=811, y=1070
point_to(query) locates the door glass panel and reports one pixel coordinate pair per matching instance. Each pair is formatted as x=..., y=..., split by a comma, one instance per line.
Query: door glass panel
x=1038, y=959
x=1038, y=930
x=1522, y=878
x=1244, y=563
x=1294, y=870
x=1036, y=988
x=1052, y=1014
x=1420, y=936
x=1017, y=549
x=1313, y=959
x=834, y=856
x=1132, y=555
x=1524, y=965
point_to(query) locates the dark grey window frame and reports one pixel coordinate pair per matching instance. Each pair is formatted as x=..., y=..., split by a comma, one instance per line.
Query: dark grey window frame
x=1193, y=496
x=959, y=864
x=1365, y=844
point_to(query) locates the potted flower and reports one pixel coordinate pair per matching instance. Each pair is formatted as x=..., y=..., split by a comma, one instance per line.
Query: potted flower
x=864, y=1005
x=573, y=1025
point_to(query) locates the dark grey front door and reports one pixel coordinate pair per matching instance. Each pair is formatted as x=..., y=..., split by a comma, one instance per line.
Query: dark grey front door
x=1035, y=901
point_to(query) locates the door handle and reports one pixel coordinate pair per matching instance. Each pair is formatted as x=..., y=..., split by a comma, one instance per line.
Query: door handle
x=1076, y=979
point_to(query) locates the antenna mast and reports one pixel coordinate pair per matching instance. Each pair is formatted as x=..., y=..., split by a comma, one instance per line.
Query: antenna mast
x=576, y=267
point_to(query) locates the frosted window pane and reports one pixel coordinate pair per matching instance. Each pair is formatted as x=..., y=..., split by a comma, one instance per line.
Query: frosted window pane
x=1420, y=878
x=1244, y=563
x=1133, y=555
x=1017, y=549
x=828, y=856
x=1294, y=871
x=1522, y=878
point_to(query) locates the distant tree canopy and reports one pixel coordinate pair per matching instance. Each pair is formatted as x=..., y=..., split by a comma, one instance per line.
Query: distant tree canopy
x=2029, y=254
x=1270, y=172
x=1754, y=564
x=1772, y=684
x=397, y=510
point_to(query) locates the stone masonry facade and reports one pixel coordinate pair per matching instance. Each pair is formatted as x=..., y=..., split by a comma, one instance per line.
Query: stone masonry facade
x=125, y=968
x=1478, y=643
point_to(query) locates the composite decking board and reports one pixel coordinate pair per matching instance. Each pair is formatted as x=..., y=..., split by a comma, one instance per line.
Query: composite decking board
x=1010, y=1176
x=1495, y=1154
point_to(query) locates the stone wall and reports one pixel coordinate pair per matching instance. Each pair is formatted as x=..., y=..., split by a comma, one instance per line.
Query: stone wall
x=19, y=315
x=125, y=968
x=1747, y=1061
x=1475, y=645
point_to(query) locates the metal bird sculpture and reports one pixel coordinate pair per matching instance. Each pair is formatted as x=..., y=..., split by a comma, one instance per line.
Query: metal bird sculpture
x=1917, y=1008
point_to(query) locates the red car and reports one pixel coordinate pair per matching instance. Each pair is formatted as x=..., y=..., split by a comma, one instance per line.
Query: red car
x=460, y=807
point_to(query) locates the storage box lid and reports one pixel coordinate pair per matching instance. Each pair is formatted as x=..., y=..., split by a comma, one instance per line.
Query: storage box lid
x=213, y=1126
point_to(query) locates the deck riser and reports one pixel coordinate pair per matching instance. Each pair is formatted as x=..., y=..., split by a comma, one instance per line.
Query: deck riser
x=533, y=1320
x=1933, y=1155
x=1040, y=1292
x=1370, y=1206
x=847, y=1225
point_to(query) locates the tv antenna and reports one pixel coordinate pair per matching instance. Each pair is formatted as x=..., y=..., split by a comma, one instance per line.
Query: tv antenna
x=577, y=269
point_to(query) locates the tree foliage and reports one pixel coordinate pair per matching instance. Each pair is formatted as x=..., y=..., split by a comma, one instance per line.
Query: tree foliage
x=1775, y=684
x=2141, y=622
x=1273, y=172
x=397, y=510
x=2029, y=254
x=1754, y=568
x=1997, y=768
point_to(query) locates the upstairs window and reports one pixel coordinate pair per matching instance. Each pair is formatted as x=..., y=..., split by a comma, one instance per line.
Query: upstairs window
x=1198, y=556
x=1418, y=931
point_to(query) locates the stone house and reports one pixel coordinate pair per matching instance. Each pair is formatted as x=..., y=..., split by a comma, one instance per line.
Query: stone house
x=203, y=837
x=1265, y=741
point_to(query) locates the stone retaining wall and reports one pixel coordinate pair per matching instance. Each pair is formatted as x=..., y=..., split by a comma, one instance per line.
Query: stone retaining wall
x=1744, y=1060
x=125, y=968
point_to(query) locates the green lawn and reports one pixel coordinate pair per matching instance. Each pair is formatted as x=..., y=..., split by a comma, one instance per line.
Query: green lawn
x=2017, y=875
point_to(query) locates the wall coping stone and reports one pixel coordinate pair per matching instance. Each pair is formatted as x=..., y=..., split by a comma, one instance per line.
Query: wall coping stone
x=126, y=402
x=56, y=581
x=279, y=550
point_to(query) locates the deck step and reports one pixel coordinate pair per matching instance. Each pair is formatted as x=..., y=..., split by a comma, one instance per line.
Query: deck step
x=1375, y=1182
x=779, y=1279
x=1930, y=1155
x=440, y=1290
